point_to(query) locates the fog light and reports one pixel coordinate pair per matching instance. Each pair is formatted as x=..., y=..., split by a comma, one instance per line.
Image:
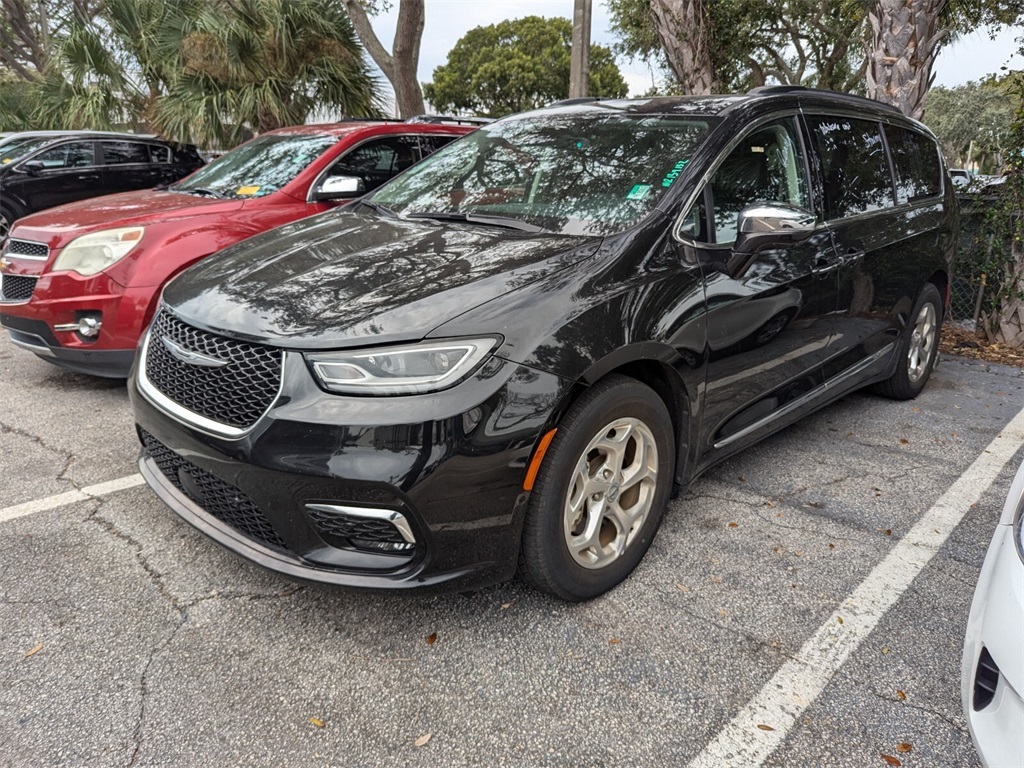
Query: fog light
x=383, y=546
x=89, y=327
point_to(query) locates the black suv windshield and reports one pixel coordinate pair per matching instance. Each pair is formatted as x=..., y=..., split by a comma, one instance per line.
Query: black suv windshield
x=18, y=148
x=259, y=167
x=570, y=173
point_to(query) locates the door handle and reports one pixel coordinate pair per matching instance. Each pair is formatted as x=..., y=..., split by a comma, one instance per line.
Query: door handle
x=823, y=266
x=88, y=177
x=852, y=254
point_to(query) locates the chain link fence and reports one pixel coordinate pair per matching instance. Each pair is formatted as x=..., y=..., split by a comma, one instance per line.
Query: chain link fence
x=969, y=281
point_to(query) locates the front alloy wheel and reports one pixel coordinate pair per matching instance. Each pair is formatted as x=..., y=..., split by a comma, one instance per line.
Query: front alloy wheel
x=611, y=492
x=601, y=491
x=923, y=339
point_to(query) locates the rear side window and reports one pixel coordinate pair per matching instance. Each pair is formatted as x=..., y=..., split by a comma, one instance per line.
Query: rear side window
x=159, y=153
x=854, y=169
x=431, y=144
x=915, y=158
x=124, y=152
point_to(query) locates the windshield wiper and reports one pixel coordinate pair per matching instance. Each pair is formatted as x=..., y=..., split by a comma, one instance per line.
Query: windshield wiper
x=478, y=218
x=201, y=191
x=378, y=208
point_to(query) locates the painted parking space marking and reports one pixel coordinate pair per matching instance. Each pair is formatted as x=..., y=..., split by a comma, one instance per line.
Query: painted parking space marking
x=779, y=704
x=70, y=497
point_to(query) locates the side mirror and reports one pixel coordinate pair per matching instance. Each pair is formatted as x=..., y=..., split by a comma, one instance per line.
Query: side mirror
x=768, y=225
x=339, y=188
x=33, y=167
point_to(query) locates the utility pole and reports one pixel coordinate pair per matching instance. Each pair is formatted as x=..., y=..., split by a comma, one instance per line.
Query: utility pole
x=579, y=64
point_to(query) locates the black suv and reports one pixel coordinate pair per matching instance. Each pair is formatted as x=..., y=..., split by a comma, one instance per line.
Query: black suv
x=45, y=170
x=509, y=357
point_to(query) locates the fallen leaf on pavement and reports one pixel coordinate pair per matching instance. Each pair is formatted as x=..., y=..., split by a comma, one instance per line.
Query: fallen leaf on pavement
x=506, y=606
x=432, y=638
x=682, y=588
x=901, y=695
x=764, y=727
x=614, y=641
x=839, y=619
x=317, y=722
x=34, y=650
x=904, y=441
x=734, y=525
x=903, y=747
x=891, y=760
x=422, y=740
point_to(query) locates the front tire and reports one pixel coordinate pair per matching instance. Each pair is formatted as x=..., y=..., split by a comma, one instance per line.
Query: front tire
x=919, y=348
x=601, y=491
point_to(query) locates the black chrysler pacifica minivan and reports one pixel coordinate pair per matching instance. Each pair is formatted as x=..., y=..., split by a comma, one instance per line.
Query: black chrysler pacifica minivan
x=509, y=357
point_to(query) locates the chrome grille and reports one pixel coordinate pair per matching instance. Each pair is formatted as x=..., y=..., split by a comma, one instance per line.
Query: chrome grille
x=235, y=394
x=16, y=287
x=223, y=501
x=27, y=248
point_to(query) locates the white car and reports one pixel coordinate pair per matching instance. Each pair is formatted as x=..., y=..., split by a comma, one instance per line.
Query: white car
x=993, y=665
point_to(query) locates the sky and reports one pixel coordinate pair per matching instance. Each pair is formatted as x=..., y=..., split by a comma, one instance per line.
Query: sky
x=971, y=58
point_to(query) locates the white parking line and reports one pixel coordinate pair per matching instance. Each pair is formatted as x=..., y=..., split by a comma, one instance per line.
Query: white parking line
x=52, y=502
x=782, y=700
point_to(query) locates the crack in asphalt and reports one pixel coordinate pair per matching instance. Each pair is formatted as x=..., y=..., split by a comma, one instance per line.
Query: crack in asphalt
x=68, y=456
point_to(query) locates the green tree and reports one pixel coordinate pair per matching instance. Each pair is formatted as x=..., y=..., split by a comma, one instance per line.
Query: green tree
x=734, y=45
x=973, y=122
x=204, y=70
x=517, y=65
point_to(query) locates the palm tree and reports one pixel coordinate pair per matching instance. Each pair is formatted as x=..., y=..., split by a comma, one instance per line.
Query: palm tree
x=205, y=70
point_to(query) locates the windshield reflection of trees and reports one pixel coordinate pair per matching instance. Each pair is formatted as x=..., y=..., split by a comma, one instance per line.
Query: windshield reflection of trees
x=266, y=162
x=568, y=173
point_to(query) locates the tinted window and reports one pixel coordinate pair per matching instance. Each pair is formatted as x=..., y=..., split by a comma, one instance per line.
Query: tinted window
x=853, y=165
x=122, y=152
x=434, y=143
x=159, y=153
x=67, y=155
x=377, y=161
x=916, y=161
x=766, y=166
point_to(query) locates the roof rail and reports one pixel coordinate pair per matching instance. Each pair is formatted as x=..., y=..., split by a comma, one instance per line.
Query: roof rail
x=770, y=90
x=450, y=119
x=575, y=100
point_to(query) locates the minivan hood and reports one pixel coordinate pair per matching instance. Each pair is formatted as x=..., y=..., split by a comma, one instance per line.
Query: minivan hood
x=142, y=207
x=345, y=279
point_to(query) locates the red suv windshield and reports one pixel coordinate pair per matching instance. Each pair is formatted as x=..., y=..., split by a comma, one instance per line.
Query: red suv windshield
x=258, y=167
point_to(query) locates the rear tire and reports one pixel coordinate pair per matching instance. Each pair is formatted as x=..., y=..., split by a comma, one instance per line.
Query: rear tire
x=6, y=220
x=919, y=348
x=601, y=491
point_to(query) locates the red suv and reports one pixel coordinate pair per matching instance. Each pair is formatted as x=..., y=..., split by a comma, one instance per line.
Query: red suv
x=79, y=283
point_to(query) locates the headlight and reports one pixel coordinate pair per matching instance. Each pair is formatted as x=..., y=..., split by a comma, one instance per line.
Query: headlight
x=89, y=254
x=405, y=370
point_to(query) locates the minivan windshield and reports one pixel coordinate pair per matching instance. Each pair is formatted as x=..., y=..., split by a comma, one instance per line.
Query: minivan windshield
x=257, y=168
x=574, y=172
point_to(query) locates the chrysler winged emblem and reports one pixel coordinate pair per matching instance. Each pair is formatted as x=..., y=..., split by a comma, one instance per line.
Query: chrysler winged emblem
x=190, y=357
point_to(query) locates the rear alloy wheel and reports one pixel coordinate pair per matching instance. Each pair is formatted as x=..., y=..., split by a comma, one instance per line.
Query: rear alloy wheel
x=919, y=348
x=601, y=491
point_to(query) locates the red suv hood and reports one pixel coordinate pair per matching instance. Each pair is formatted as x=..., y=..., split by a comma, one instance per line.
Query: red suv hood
x=128, y=209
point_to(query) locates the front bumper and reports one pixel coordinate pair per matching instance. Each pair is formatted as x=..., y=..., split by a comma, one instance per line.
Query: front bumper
x=61, y=299
x=451, y=464
x=993, y=661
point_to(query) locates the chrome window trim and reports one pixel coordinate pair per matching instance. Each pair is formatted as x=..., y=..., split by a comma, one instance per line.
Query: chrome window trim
x=191, y=418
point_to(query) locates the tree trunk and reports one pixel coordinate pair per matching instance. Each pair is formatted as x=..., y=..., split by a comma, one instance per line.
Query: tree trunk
x=682, y=27
x=400, y=66
x=905, y=38
x=1006, y=323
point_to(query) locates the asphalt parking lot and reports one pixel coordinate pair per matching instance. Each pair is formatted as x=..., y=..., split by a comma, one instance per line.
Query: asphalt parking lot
x=128, y=639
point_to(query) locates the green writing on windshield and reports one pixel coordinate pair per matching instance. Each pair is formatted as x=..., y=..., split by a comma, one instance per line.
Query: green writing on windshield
x=674, y=173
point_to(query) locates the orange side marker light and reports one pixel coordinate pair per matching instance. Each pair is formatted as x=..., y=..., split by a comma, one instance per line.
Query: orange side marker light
x=538, y=457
